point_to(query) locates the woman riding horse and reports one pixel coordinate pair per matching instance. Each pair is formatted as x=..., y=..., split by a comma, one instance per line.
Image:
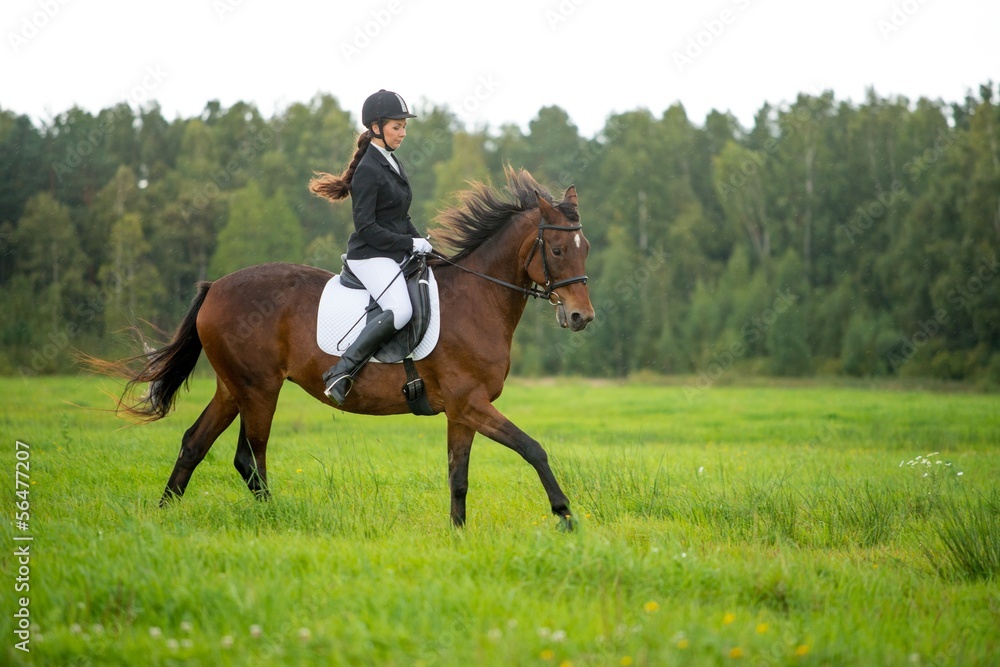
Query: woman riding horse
x=383, y=232
x=257, y=328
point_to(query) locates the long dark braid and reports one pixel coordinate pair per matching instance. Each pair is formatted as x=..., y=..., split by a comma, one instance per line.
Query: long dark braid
x=336, y=188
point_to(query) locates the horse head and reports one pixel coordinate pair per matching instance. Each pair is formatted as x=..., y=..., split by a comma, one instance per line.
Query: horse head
x=557, y=260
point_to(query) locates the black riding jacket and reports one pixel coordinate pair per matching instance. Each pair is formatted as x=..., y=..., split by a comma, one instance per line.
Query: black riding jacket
x=381, y=203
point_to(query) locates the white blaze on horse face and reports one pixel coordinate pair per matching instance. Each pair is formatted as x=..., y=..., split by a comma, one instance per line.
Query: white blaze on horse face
x=576, y=240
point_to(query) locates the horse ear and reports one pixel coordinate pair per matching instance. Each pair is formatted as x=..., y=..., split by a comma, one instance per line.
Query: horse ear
x=569, y=197
x=544, y=206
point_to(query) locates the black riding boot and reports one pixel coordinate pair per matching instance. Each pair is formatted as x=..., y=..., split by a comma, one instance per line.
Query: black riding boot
x=340, y=378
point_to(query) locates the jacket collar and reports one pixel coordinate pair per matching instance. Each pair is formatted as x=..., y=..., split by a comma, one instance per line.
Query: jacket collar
x=380, y=157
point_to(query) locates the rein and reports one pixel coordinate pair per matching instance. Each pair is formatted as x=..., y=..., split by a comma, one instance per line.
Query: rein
x=539, y=245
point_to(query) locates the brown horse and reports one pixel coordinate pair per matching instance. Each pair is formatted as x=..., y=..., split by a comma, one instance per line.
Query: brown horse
x=257, y=327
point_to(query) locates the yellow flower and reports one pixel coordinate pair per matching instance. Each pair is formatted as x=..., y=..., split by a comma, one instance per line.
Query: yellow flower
x=651, y=607
x=802, y=650
x=547, y=654
x=736, y=652
x=625, y=661
x=728, y=618
x=761, y=628
x=566, y=663
x=683, y=643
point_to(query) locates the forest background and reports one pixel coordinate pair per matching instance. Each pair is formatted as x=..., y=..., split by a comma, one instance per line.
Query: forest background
x=830, y=238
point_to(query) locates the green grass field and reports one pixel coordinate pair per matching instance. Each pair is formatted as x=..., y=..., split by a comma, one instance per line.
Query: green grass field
x=758, y=525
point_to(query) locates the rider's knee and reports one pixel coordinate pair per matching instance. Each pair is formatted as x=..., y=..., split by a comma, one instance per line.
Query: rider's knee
x=401, y=314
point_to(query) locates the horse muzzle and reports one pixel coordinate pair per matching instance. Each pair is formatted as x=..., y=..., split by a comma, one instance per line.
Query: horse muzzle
x=573, y=319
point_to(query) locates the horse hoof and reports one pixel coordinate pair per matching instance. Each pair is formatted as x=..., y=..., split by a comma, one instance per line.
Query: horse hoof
x=567, y=524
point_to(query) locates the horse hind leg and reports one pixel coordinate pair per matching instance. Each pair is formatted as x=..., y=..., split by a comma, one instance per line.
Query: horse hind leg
x=245, y=463
x=251, y=447
x=198, y=439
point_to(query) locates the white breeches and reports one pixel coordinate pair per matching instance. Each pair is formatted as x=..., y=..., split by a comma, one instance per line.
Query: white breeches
x=381, y=275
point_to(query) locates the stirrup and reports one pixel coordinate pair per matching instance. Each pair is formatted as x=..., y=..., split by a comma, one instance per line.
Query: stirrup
x=331, y=388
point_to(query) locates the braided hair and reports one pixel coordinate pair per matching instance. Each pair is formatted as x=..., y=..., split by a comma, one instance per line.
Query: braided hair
x=338, y=187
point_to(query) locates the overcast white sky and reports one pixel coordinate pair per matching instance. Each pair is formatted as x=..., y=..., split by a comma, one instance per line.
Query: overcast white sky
x=491, y=62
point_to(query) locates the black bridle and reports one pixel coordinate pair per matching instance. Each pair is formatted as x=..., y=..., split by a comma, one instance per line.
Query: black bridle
x=550, y=287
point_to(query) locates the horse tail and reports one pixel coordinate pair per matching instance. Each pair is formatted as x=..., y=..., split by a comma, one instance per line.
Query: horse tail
x=165, y=369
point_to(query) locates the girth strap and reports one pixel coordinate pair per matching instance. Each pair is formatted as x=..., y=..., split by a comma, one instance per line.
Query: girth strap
x=413, y=390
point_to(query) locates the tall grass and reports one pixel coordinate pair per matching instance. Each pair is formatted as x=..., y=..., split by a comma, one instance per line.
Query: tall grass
x=969, y=531
x=723, y=531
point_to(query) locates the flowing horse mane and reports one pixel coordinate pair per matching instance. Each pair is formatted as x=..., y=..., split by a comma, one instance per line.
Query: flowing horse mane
x=483, y=210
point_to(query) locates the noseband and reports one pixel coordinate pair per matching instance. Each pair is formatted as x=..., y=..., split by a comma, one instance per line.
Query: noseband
x=539, y=245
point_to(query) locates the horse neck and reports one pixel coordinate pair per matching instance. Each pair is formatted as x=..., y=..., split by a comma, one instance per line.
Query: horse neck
x=502, y=257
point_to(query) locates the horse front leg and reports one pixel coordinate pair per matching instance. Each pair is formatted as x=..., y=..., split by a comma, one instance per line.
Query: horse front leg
x=459, y=447
x=490, y=422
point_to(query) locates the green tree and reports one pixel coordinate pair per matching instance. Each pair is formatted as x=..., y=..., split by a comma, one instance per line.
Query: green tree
x=130, y=280
x=466, y=164
x=257, y=230
x=740, y=185
x=787, y=336
x=51, y=298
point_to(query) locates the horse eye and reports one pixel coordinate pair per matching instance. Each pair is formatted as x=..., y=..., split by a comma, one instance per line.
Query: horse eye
x=557, y=251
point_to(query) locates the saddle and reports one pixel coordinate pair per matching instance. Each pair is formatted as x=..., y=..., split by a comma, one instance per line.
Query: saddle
x=345, y=307
x=415, y=272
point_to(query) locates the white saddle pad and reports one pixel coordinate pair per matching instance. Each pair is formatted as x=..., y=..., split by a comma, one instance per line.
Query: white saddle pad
x=342, y=316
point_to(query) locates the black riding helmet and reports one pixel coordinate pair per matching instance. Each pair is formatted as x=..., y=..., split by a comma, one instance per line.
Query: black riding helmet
x=382, y=106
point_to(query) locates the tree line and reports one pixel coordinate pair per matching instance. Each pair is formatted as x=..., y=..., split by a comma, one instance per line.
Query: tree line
x=832, y=237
